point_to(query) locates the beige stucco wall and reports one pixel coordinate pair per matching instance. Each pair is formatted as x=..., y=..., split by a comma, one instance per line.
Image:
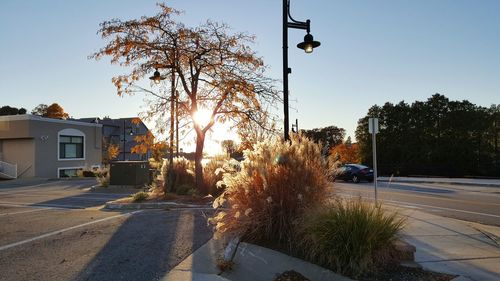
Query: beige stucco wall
x=41, y=136
x=13, y=129
x=47, y=147
x=22, y=153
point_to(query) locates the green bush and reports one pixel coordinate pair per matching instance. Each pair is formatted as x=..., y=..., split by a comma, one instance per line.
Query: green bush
x=277, y=182
x=140, y=196
x=347, y=235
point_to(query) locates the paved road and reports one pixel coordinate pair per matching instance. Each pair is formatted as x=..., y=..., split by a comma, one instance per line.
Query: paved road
x=467, y=203
x=57, y=231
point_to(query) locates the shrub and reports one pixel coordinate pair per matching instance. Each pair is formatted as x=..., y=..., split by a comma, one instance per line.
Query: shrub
x=140, y=196
x=182, y=173
x=88, y=174
x=277, y=182
x=102, y=176
x=186, y=189
x=346, y=236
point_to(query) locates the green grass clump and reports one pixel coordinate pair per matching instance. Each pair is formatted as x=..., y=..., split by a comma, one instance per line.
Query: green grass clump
x=140, y=196
x=347, y=236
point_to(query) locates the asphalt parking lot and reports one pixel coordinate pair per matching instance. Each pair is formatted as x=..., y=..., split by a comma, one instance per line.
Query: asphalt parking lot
x=57, y=230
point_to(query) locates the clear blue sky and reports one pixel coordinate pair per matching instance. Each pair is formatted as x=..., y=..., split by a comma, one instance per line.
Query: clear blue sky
x=371, y=52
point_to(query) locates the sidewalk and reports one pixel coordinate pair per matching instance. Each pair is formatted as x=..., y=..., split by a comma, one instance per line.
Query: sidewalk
x=446, y=245
x=251, y=263
x=454, y=181
x=453, y=246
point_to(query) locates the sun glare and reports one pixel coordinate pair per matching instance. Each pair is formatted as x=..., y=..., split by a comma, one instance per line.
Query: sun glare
x=202, y=117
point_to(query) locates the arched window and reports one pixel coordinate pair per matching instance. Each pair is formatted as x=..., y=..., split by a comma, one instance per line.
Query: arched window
x=71, y=145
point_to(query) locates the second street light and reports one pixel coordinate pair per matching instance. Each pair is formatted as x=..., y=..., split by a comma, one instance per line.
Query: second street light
x=308, y=45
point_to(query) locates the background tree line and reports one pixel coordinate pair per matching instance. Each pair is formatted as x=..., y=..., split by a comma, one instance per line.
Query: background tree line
x=50, y=111
x=436, y=137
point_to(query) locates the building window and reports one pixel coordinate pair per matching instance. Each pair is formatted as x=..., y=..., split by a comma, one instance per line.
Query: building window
x=70, y=147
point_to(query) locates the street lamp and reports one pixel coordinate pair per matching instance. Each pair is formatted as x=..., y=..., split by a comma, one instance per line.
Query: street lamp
x=156, y=77
x=308, y=45
x=173, y=98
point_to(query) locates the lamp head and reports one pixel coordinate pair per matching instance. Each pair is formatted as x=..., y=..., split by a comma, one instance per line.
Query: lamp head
x=156, y=77
x=309, y=44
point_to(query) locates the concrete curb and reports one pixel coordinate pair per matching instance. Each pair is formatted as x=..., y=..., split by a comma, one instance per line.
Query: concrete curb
x=156, y=205
x=440, y=182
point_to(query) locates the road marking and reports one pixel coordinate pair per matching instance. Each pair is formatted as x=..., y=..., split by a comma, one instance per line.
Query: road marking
x=5, y=247
x=23, y=205
x=28, y=211
x=41, y=204
x=400, y=203
x=431, y=195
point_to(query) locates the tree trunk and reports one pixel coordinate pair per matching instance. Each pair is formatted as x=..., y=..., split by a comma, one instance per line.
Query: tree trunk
x=198, y=167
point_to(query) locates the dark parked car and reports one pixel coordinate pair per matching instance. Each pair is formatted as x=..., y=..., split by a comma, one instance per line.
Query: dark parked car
x=354, y=172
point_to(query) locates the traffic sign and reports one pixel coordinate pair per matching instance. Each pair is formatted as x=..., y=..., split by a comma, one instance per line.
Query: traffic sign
x=373, y=125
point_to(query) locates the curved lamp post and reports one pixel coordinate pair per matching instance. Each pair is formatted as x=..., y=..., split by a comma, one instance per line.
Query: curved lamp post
x=308, y=45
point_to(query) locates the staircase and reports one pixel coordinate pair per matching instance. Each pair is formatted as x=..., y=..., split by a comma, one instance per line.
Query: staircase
x=7, y=170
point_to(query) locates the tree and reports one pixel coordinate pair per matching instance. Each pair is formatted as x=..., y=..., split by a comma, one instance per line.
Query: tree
x=147, y=143
x=7, y=110
x=56, y=111
x=40, y=110
x=112, y=152
x=229, y=146
x=346, y=152
x=328, y=136
x=217, y=70
x=52, y=111
x=251, y=133
x=432, y=137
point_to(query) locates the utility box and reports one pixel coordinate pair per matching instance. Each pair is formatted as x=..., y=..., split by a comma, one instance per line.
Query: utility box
x=129, y=173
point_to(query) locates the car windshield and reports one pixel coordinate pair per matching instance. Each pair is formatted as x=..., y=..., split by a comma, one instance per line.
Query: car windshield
x=357, y=166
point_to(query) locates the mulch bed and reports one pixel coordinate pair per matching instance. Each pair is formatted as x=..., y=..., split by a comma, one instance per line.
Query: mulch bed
x=171, y=197
x=291, y=275
x=401, y=273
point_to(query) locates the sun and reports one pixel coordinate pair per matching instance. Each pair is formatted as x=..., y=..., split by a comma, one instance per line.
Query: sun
x=202, y=116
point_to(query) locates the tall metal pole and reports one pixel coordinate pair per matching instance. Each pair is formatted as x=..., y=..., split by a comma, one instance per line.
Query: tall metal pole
x=177, y=124
x=124, y=139
x=172, y=108
x=374, y=149
x=286, y=70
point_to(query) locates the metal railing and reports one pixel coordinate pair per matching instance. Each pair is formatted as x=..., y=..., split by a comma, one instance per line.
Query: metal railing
x=8, y=170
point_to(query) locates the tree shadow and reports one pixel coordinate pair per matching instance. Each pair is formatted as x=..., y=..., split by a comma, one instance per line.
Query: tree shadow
x=148, y=245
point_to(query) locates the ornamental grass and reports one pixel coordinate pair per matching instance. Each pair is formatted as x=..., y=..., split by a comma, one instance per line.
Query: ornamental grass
x=277, y=183
x=348, y=236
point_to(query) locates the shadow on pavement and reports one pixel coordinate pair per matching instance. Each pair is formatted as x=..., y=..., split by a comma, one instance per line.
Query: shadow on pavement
x=148, y=245
x=416, y=188
x=474, y=265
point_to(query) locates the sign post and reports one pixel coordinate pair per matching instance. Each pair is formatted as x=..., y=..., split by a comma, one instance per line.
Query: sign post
x=373, y=129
